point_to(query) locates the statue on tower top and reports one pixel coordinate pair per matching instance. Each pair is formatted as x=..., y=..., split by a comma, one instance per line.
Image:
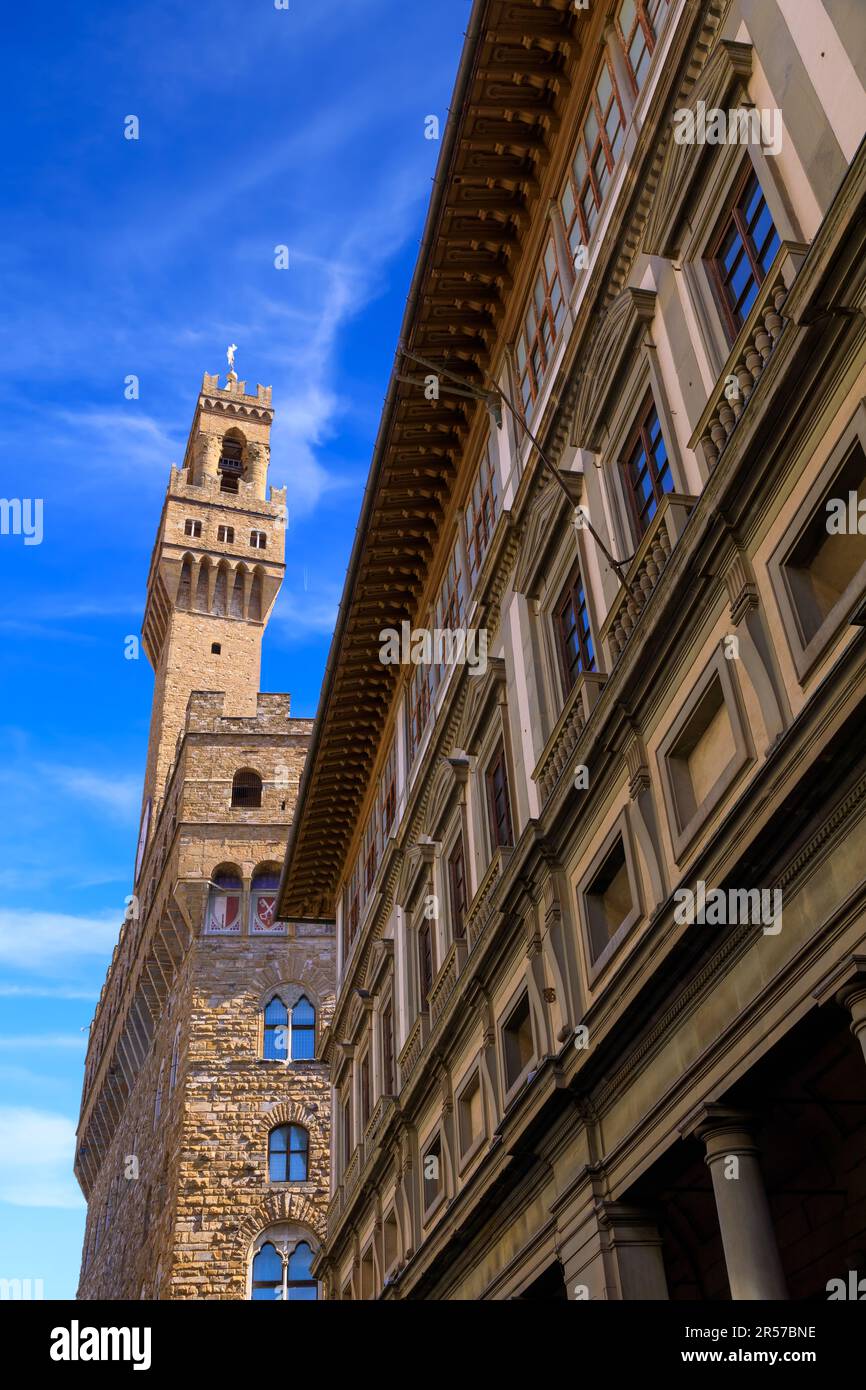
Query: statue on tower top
x=230, y=357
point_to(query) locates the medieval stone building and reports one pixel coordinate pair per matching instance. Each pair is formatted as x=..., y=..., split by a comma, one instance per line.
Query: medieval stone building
x=203, y=1141
x=600, y=891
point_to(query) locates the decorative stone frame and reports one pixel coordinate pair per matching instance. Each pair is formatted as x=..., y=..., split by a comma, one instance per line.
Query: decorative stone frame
x=429, y=1211
x=285, y=1235
x=685, y=817
x=289, y=993
x=510, y=1090
x=806, y=654
x=465, y=1156
x=620, y=830
x=643, y=378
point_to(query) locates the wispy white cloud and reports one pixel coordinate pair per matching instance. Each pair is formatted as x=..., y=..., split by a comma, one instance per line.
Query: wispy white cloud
x=46, y=992
x=37, y=1148
x=51, y=943
x=30, y=1042
x=120, y=793
x=300, y=615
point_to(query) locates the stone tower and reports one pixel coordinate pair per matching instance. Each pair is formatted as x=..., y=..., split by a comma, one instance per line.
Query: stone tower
x=203, y=1140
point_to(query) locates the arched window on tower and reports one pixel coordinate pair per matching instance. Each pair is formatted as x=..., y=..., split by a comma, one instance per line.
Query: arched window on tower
x=184, y=588
x=236, y=609
x=263, y=901
x=202, y=588
x=267, y=1274
x=220, y=593
x=276, y=1040
x=289, y=1032
x=281, y=1266
x=288, y=1154
x=231, y=464
x=300, y=1284
x=303, y=1033
x=224, y=902
x=246, y=788
x=254, y=612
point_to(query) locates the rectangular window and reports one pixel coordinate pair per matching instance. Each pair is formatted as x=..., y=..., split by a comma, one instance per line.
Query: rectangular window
x=743, y=252
x=431, y=1173
x=346, y=1130
x=388, y=794
x=226, y=534
x=352, y=909
x=390, y=1245
x=540, y=331
x=573, y=635
x=258, y=540
x=638, y=25
x=608, y=898
x=371, y=852
x=497, y=800
x=599, y=146
x=470, y=1115
x=518, y=1046
x=389, y=1075
x=191, y=528
x=420, y=704
x=425, y=962
x=365, y=1089
x=647, y=467
x=457, y=888
x=482, y=509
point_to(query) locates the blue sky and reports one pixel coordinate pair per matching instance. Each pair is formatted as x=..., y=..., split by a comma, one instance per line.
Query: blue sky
x=258, y=127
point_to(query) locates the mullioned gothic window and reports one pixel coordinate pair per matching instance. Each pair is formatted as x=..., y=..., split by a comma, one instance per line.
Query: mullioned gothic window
x=289, y=1032
x=283, y=1274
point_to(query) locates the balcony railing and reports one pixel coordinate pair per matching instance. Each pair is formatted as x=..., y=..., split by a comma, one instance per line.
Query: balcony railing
x=645, y=570
x=446, y=981
x=482, y=907
x=560, y=746
x=353, y=1172
x=413, y=1045
x=749, y=356
x=381, y=1110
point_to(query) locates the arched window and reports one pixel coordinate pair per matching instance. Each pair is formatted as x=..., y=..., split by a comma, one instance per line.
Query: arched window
x=276, y=1030
x=231, y=464
x=263, y=901
x=303, y=1030
x=267, y=1274
x=224, y=902
x=246, y=788
x=289, y=1032
x=300, y=1284
x=282, y=1268
x=288, y=1154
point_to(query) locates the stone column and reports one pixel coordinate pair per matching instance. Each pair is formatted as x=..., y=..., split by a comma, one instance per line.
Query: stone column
x=257, y=467
x=749, y=1240
x=635, y=1246
x=854, y=1000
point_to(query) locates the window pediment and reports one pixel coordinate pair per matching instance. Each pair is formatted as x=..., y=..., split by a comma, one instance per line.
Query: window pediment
x=625, y=319
x=543, y=530
x=725, y=75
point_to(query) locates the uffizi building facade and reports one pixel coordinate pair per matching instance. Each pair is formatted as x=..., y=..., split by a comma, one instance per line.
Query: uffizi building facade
x=538, y=975
x=601, y=921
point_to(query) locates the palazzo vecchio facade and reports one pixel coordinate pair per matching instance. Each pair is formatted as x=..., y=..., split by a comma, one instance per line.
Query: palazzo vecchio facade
x=599, y=891
x=203, y=1140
